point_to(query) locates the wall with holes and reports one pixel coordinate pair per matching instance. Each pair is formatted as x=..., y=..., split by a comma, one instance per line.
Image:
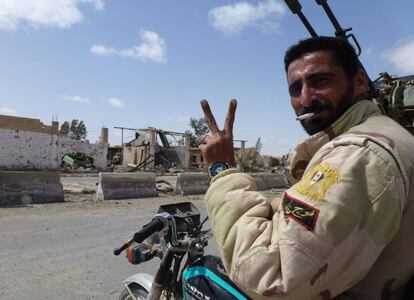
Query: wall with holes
x=29, y=144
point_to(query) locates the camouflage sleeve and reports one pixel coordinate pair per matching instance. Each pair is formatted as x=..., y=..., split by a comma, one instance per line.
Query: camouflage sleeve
x=324, y=236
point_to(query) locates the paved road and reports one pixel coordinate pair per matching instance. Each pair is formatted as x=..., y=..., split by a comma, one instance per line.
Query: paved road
x=64, y=250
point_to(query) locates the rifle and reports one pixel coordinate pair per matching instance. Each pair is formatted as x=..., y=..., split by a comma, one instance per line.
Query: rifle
x=342, y=33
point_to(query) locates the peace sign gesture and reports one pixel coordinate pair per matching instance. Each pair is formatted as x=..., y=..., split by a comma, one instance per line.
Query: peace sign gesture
x=219, y=145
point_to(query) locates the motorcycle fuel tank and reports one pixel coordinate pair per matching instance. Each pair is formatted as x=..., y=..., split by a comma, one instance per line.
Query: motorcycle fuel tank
x=206, y=280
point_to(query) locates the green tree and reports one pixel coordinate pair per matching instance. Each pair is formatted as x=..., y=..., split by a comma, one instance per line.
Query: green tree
x=64, y=128
x=76, y=130
x=200, y=128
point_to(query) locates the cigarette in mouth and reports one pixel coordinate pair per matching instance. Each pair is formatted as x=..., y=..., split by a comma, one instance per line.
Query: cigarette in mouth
x=305, y=116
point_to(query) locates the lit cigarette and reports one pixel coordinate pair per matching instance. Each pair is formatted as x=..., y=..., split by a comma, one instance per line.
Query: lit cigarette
x=305, y=116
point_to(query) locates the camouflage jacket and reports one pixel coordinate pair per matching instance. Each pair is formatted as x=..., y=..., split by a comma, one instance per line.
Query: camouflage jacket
x=345, y=230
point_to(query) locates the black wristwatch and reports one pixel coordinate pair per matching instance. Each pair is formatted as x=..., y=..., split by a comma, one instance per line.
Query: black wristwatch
x=216, y=168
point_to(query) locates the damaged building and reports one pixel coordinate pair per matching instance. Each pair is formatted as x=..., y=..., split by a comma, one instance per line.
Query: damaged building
x=27, y=143
x=153, y=148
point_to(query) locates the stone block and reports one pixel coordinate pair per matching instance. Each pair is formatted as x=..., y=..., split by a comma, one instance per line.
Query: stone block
x=112, y=186
x=25, y=187
x=192, y=183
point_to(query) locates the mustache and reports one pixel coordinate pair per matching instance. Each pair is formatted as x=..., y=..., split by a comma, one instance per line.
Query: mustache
x=316, y=106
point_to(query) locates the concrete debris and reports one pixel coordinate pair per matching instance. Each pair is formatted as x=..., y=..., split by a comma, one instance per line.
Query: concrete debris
x=164, y=186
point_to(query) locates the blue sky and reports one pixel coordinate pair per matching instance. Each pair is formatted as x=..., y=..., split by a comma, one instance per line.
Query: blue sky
x=136, y=63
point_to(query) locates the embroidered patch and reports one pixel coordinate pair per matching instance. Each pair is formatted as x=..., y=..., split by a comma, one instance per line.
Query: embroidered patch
x=300, y=212
x=317, y=182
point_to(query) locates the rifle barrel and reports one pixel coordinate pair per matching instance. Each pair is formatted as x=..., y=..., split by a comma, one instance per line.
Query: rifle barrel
x=308, y=26
x=296, y=8
x=340, y=32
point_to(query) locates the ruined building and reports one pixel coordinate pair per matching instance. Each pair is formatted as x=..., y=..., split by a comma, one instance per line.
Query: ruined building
x=151, y=147
x=27, y=143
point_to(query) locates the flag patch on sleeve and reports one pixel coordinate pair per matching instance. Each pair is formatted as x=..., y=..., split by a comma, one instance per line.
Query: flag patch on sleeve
x=316, y=183
x=305, y=214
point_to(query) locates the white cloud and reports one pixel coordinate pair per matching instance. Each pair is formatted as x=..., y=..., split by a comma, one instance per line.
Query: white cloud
x=99, y=4
x=115, y=102
x=182, y=119
x=7, y=111
x=151, y=48
x=233, y=18
x=402, y=57
x=42, y=13
x=77, y=98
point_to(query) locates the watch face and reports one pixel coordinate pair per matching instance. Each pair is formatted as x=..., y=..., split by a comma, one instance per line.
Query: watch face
x=217, y=168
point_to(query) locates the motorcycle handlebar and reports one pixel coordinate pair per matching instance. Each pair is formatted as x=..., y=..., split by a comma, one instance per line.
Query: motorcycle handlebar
x=157, y=224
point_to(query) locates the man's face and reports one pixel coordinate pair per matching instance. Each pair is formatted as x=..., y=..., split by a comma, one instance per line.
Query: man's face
x=318, y=84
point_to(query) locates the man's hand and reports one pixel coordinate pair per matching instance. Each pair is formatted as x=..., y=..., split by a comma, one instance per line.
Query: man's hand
x=219, y=145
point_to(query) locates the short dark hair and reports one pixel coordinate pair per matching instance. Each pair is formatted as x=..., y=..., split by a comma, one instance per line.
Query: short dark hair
x=343, y=52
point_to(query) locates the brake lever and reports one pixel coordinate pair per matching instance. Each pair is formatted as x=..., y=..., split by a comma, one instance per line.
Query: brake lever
x=119, y=250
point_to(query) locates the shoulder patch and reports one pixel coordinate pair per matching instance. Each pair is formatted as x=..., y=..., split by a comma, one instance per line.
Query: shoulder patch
x=305, y=214
x=317, y=182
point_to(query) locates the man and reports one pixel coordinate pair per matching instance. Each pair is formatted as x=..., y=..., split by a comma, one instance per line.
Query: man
x=346, y=228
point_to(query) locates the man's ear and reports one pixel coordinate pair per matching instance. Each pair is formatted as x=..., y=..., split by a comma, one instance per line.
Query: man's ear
x=360, y=82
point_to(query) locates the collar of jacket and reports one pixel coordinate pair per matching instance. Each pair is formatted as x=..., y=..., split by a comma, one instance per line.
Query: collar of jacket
x=307, y=148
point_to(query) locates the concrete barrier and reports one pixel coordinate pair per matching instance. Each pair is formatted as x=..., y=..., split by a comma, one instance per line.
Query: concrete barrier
x=25, y=187
x=112, y=186
x=267, y=181
x=260, y=183
x=275, y=180
x=192, y=183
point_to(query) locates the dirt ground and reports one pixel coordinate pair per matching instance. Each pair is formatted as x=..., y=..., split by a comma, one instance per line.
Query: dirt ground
x=81, y=197
x=65, y=250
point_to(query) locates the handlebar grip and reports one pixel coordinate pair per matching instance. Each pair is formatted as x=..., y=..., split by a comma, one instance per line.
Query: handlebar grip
x=155, y=225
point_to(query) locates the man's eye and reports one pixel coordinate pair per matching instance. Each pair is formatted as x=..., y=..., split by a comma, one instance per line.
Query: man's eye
x=295, y=89
x=319, y=81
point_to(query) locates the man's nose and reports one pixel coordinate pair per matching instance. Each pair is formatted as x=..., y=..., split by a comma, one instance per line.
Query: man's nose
x=307, y=96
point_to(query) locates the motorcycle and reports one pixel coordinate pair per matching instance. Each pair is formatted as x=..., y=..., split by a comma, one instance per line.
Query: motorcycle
x=175, y=236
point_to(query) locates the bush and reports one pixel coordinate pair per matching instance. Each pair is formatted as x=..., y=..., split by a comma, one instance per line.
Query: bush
x=250, y=160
